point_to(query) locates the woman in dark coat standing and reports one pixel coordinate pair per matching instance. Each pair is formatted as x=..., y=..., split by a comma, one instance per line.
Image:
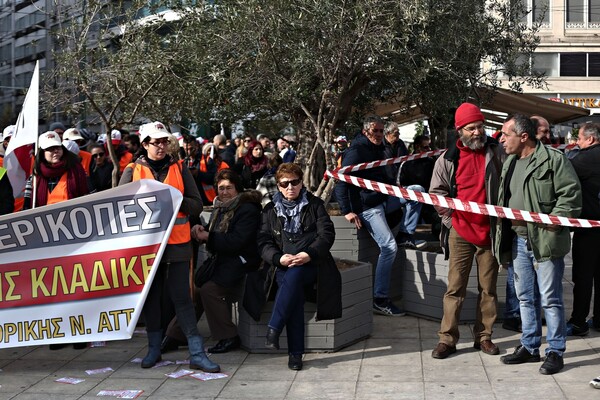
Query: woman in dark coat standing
x=296, y=235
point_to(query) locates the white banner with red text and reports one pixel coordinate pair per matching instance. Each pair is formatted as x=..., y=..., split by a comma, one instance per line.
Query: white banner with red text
x=80, y=270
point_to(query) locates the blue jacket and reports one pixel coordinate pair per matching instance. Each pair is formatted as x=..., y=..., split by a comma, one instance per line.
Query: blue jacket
x=352, y=198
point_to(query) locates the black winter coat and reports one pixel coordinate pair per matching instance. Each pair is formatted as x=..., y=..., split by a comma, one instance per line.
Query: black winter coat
x=355, y=199
x=239, y=241
x=314, y=218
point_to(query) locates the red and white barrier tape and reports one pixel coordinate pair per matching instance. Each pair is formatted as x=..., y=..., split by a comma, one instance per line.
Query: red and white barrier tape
x=431, y=153
x=456, y=204
x=388, y=161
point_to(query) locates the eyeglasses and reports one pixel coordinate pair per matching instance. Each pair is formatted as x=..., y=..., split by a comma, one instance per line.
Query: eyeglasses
x=285, y=184
x=97, y=155
x=247, y=140
x=472, y=129
x=160, y=143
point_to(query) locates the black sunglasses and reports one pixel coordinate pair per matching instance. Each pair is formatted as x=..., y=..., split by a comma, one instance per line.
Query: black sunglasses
x=97, y=155
x=284, y=184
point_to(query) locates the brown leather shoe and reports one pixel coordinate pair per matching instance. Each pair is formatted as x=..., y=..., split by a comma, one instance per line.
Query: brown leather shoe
x=443, y=350
x=487, y=346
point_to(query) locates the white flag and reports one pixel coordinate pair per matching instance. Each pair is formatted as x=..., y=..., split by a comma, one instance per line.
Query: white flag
x=17, y=159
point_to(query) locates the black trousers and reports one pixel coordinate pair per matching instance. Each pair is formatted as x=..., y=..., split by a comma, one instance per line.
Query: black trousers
x=586, y=275
x=174, y=278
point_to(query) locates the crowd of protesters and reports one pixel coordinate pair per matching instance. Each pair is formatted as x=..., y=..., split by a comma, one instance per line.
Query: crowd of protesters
x=517, y=168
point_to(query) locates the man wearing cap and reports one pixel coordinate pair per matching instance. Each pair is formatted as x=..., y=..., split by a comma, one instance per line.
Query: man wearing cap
x=73, y=134
x=341, y=144
x=6, y=135
x=123, y=155
x=540, y=179
x=468, y=170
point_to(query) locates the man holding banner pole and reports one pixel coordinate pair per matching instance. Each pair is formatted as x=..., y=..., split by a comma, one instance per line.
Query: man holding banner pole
x=540, y=179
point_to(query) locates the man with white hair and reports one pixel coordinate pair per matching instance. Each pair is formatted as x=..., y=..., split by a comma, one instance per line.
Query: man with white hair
x=585, y=251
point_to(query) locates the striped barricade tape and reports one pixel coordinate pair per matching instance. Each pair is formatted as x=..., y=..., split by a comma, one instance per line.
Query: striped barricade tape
x=456, y=204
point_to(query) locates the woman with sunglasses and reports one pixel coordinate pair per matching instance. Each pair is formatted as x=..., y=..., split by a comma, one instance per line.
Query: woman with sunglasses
x=172, y=274
x=296, y=235
x=100, y=169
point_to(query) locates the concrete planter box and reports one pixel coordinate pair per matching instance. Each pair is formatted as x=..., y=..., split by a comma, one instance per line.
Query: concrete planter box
x=355, y=324
x=425, y=282
x=420, y=278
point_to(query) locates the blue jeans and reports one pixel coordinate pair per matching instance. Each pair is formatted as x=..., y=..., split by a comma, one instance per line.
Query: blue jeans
x=512, y=308
x=288, y=309
x=374, y=220
x=412, y=212
x=548, y=275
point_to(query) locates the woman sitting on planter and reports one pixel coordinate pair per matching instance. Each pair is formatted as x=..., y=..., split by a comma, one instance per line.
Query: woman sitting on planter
x=230, y=239
x=296, y=235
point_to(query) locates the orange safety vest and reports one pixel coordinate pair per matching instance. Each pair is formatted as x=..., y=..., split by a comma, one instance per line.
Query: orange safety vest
x=60, y=191
x=86, y=160
x=209, y=189
x=124, y=161
x=181, y=232
x=1, y=161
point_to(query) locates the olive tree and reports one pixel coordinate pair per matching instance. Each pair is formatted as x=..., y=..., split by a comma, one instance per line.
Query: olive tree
x=322, y=62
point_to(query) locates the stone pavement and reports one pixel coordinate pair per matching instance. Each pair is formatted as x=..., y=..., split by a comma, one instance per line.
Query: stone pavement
x=393, y=363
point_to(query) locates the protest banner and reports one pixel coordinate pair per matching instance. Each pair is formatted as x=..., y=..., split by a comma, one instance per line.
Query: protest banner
x=80, y=270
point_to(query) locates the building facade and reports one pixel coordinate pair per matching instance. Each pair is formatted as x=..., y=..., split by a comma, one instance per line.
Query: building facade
x=569, y=51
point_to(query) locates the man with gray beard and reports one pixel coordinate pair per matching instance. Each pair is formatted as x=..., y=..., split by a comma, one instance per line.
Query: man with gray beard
x=469, y=170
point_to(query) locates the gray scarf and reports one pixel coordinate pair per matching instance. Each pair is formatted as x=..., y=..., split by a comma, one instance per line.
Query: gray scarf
x=290, y=210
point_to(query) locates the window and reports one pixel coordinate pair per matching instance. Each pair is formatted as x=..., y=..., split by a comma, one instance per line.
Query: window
x=546, y=63
x=541, y=11
x=594, y=64
x=573, y=64
x=583, y=13
x=536, y=11
x=580, y=64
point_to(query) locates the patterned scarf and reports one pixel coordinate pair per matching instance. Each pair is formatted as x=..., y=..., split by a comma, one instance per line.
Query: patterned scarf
x=222, y=214
x=290, y=210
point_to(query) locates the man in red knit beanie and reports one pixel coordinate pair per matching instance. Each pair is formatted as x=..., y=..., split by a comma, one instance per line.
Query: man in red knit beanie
x=469, y=170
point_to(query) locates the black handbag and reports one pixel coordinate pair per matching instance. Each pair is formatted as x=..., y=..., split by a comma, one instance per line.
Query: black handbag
x=206, y=271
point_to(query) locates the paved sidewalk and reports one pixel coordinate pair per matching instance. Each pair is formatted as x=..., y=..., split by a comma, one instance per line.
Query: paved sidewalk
x=394, y=363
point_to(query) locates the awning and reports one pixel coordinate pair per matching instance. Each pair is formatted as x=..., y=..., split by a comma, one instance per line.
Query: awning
x=500, y=101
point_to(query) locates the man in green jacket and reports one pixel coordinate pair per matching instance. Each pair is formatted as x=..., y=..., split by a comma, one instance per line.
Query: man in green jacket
x=540, y=179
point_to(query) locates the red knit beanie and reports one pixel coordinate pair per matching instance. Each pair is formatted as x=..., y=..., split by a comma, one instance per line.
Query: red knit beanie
x=467, y=113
